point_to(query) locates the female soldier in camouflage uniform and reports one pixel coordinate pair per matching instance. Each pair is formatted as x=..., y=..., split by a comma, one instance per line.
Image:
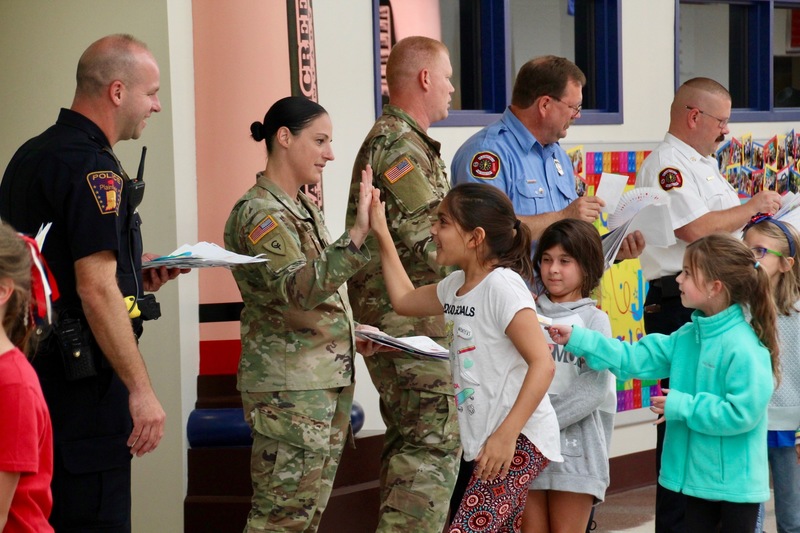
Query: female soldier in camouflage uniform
x=298, y=340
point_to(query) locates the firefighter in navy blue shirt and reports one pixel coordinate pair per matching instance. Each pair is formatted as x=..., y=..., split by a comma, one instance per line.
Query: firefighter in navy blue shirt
x=103, y=407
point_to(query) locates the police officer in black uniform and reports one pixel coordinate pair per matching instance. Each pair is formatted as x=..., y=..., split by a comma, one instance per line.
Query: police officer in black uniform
x=102, y=405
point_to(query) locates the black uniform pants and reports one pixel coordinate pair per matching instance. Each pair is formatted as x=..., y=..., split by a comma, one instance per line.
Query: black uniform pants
x=92, y=462
x=664, y=313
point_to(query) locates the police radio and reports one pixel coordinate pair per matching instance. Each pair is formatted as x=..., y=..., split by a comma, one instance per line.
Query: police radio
x=135, y=192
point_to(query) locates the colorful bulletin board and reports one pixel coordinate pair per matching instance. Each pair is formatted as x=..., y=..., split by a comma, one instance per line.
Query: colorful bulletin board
x=749, y=167
x=623, y=287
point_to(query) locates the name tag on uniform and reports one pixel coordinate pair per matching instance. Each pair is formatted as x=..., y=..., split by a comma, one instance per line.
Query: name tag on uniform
x=559, y=169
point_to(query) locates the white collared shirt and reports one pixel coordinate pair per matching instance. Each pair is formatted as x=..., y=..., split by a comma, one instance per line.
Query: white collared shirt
x=701, y=189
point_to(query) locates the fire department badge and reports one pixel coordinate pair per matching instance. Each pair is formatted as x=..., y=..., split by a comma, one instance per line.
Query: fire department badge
x=485, y=165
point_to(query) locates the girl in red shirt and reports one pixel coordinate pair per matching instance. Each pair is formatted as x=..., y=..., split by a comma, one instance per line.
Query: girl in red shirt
x=26, y=435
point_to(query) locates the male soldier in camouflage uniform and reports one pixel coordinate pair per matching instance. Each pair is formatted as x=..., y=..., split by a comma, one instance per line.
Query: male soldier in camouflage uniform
x=422, y=448
x=298, y=344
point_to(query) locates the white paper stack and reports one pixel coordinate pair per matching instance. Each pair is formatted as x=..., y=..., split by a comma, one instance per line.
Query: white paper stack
x=645, y=209
x=421, y=345
x=790, y=210
x=202, y=255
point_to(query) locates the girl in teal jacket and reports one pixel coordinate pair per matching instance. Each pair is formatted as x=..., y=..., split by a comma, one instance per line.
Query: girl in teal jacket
x=721, y=376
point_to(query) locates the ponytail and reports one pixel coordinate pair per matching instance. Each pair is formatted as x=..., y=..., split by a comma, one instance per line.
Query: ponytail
x=762, y=308
x=518, y=255
x=508, y=241
x=722, y=257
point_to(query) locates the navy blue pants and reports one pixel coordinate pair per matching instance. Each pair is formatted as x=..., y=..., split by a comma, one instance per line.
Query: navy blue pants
x=92, y=462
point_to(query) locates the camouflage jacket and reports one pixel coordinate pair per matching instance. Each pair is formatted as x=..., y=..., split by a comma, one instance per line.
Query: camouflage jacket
x=410, y=173
x=297, y=325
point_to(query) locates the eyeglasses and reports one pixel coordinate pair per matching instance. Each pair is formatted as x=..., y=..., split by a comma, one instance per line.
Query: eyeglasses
x=759, y=252
x=722, y=121
x=576, y=109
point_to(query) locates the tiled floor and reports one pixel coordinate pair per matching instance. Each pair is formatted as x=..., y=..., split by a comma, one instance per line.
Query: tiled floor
x=632, y=512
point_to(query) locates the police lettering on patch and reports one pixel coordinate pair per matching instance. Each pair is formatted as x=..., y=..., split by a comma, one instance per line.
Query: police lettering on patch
x=263, y=228
x=485, y=165
x=670, y=178
x=106, y=187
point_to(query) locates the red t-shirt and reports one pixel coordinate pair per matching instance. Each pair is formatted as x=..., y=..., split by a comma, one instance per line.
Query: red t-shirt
x=26, y=444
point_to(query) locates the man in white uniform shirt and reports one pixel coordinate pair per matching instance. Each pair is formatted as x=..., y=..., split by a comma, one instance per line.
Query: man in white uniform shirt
x=701, y=202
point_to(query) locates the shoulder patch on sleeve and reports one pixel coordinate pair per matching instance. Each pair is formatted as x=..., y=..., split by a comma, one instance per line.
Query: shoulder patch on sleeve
x=398, y=170
x=670, y=178
x=263, y=228
x=410, y=183
x=276, y=244
x=283, y=246
x=485, y=165
x=106, y=187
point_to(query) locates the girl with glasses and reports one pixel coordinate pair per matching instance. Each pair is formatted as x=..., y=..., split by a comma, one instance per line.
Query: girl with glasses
x=774, y=244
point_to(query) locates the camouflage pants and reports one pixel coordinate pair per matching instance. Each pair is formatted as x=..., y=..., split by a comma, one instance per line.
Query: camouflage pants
x=421, y=450
x=298, y=438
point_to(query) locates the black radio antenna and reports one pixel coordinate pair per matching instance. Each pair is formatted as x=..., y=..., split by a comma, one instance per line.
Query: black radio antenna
x=140, y=173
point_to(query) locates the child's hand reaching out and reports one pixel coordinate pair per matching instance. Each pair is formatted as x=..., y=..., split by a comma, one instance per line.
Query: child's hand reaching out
x=559, y=334
x=377, y=213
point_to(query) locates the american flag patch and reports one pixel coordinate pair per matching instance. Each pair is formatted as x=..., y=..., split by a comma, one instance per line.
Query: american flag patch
x=264, y=227
x=399, y=170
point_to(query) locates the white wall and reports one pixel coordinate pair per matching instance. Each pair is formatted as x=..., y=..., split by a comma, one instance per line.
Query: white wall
x=40, y=43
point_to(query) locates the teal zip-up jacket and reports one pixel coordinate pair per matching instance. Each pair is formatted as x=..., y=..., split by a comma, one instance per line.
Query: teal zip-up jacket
x=720, y=384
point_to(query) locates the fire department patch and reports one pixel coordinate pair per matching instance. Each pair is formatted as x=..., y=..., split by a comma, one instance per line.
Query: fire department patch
x=485, y=165
x=106, y=187
x=670, y=178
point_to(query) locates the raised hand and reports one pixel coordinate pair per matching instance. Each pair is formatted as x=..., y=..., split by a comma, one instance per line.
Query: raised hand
x=361, y=226
x=377, y=216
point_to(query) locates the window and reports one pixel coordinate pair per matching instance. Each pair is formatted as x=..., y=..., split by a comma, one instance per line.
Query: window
x=489, y=40
x=753, y=48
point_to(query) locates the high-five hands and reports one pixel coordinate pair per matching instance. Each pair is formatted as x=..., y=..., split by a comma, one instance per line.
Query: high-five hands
x=360, y=229
x=377, y=212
